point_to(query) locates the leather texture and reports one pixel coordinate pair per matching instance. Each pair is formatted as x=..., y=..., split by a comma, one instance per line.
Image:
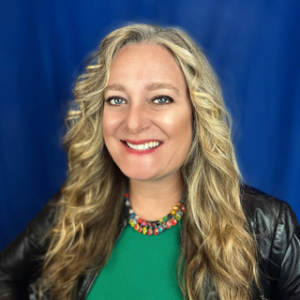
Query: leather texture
x=272, y=221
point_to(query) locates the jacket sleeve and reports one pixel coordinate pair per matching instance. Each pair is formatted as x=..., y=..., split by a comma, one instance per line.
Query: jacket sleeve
x=19, y=261
x=286, y=255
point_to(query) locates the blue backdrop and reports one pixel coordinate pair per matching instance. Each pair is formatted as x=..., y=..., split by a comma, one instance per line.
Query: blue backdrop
x=253, y=45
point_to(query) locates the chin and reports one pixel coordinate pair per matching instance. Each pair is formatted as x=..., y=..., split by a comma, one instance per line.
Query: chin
x=139, y=174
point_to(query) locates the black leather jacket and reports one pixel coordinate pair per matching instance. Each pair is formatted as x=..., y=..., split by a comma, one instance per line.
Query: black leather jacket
x=272, y=221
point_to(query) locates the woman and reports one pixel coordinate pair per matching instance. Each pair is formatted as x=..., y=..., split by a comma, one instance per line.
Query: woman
x=151, y=127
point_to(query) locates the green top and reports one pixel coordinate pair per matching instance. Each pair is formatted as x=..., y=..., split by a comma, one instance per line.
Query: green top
x=140, y=267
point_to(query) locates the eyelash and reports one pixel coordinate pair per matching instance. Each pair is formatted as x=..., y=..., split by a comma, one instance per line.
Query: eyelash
x=113, y=98
x=167, y=98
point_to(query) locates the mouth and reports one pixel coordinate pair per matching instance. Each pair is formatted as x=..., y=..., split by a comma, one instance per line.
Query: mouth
x=142, y=145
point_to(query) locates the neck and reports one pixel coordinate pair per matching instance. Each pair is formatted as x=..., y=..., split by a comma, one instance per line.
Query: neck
x=152, y=200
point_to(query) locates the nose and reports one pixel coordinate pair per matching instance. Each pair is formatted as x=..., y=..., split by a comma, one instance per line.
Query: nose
x=136, y=119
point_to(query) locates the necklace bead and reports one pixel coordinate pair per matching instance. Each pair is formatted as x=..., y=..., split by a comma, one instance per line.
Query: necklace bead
x=155, y=227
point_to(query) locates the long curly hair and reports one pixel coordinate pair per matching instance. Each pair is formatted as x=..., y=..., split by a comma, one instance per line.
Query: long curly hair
x=218, y=258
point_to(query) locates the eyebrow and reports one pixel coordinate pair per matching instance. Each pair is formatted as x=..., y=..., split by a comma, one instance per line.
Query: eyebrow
x=160, y=85
x=151, y=87
x=114, y=87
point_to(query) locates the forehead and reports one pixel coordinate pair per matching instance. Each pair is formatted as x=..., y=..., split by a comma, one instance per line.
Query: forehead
x=145, y=63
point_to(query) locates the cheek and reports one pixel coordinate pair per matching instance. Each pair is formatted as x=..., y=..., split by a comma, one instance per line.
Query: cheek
x=184, y=136
x=186, y=132
x=179, y=130
x=105, y=128
x=109, y=125
x=181, y=126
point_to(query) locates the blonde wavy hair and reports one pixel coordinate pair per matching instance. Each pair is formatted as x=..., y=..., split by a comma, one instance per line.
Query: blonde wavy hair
x=218, y=257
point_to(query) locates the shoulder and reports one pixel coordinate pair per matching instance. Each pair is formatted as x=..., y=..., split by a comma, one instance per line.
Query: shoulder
x=259, y=207
x=276, y=230
x=44, y=220
x=270, y=219
x=24, y=253
x=265, y=212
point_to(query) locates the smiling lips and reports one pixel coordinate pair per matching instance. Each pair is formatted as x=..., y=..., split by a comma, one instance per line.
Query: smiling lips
x=141, y=147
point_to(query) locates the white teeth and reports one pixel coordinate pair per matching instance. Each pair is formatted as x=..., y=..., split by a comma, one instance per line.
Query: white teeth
x=145, y=146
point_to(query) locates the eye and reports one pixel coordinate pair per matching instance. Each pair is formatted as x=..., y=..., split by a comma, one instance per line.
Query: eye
x=163, y=100
x=114, y=101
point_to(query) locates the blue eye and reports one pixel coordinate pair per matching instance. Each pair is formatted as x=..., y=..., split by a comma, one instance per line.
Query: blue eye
x=163, y=100
x=115, y=101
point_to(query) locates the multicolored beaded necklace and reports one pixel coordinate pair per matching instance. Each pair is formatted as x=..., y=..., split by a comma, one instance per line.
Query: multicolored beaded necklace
x=155, y=227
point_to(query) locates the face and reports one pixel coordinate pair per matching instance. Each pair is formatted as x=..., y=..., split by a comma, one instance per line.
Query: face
x=147, y=115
